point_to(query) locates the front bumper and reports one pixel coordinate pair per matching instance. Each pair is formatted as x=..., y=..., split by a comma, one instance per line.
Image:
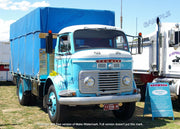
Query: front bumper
x=98, y=100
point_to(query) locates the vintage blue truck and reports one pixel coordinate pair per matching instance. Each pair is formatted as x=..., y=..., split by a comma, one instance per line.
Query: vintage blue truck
x=69, y=57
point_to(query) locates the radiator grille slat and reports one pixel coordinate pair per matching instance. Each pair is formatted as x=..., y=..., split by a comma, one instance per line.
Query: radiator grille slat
x=109, y=81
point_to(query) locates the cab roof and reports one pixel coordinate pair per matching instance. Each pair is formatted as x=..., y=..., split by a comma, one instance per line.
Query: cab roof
x=81, y=27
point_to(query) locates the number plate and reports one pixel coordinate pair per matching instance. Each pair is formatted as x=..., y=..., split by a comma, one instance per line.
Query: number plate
x=108, y=107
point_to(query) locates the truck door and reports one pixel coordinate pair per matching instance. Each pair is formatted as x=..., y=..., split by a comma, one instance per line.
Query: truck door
x=173, y=61
x=64, y=49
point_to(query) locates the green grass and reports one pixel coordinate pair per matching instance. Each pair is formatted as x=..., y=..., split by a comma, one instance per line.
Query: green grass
x=15, y=116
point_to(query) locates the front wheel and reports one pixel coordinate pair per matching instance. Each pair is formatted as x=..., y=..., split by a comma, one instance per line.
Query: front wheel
x=54, y=109
x=125, y=112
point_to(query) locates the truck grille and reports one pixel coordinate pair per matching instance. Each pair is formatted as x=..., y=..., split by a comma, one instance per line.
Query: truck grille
x=108, y=81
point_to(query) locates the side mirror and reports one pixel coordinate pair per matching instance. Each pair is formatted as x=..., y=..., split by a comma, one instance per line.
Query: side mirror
x=64, y=44
x=49, y=42
x=140, y=45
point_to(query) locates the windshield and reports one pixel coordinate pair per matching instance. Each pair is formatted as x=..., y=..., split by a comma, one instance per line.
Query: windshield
x=100, y=38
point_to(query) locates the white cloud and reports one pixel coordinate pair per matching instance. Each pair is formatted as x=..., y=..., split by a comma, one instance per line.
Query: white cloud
x=4, y=31
x=23, y=5
x=40, y=4
x=4, y=3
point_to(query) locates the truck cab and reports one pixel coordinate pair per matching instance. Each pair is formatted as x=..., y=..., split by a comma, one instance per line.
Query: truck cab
x=92, y=66
x=161, y=52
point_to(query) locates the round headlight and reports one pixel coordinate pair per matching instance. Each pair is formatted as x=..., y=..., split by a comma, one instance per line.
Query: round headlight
x=126, y=80
x=89, y=81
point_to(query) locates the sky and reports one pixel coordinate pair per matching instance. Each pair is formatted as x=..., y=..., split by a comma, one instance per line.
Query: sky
x=138, y=15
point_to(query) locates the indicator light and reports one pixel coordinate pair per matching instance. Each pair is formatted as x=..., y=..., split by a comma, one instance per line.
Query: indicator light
x=140, y=34
x=50, y=31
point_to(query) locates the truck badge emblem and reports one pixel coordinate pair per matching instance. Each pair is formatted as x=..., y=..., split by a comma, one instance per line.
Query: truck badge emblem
x=97, y=53
x=110, y=66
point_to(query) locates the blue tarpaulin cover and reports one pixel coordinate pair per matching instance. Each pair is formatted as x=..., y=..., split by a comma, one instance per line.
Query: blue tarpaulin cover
x=24, y=33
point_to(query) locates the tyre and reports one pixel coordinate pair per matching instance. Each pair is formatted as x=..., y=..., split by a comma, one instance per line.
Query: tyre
x=178, y=100
x=54, y=109
x=125, y=112
x=143, y=92
x=23, y=97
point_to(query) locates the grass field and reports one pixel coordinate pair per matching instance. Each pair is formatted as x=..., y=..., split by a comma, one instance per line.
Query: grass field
x=13, y=115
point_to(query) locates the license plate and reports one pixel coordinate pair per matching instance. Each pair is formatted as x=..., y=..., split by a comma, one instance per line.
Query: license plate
x=108, y=107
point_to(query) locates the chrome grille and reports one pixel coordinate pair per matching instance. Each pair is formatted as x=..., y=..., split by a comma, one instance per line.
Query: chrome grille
x=108, y=81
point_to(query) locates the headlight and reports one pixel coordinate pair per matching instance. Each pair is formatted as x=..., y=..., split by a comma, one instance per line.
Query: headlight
x=126, y=80
x=89, y=81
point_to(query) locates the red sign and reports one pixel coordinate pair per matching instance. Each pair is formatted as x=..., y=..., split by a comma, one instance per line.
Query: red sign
x=158, y=85
x=4, y=67
x=108, y=61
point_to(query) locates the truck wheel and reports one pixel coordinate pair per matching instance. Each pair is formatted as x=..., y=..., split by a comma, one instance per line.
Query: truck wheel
x=24, y=98
x=54, y=109
x=125, y=112
x=179, y=100
x=143, y=92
